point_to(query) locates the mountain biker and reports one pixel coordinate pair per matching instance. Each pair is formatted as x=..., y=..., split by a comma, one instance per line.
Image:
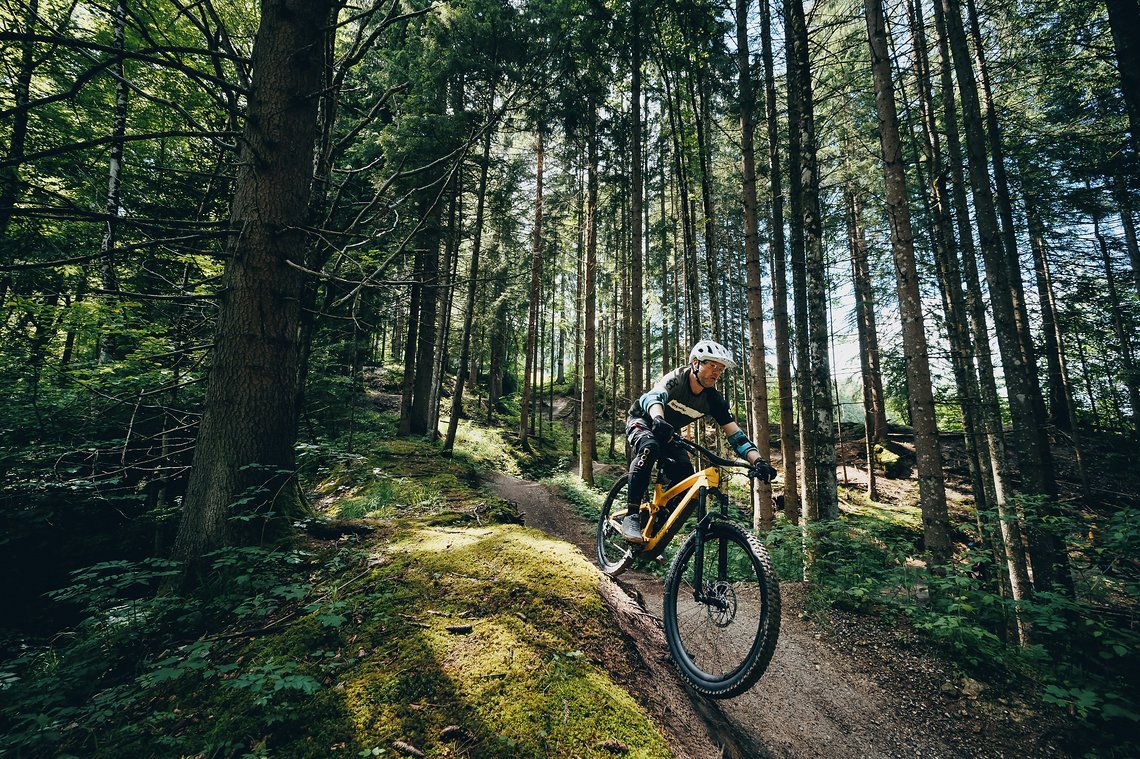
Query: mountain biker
x=681, y=397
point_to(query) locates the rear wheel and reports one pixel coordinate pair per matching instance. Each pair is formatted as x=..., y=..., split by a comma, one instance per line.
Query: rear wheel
x=614, y=552
x=723, y=632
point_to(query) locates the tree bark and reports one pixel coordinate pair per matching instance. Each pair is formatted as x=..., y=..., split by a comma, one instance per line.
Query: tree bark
x=431, y=278
x=817, y=427
x=535, y=290
x=932, y=490
x=10, y=175
x=407, y=383
x=243, y=462
x=874, y=415
x=778, y=256
x=763, y=515
x=637, y=202
x=1010, y=522
x=114, y=176
x=1124, y=21
x=1036, y=463
x=472, y=283
x=1120, y=328
x=701, y=122
x=587, y=452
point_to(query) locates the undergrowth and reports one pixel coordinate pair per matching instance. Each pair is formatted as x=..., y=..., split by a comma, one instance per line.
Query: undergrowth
x=449, y=631
x=1083, y=656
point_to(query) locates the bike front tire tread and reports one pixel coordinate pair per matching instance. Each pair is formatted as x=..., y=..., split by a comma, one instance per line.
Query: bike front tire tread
x=745, y=675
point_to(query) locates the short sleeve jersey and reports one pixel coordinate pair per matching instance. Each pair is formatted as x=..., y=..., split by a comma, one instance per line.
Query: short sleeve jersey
x=682, y=405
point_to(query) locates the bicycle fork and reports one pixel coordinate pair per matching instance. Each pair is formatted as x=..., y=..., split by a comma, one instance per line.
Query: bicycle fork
x=704, y=518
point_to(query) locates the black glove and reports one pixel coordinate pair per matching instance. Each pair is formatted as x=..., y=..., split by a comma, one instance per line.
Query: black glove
x=762, y=471
x=662, y=430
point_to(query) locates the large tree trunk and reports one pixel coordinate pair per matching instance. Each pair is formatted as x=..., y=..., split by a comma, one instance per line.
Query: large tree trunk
x=1024, y=394
x=778, y=257
x=931, y=489
x=637, y=206
x=817, y=427
x=243, y=462
x=1124, y=21
x=762, y=510
x=407, y=383
x=419, y=417
x=587, y=452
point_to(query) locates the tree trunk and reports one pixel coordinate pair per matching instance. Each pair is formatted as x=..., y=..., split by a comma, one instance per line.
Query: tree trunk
x=637, y=204
x=763, y=514
x=1062, y=412
x=1059, y=402
x=587, y=453
x=1124, y=21
x=243, y=462
x=817, y=428
x=535, y=290
x=114, y=176
x=472, y=283
x=949, y=276
x=1008, y=520
x=10, y=175
x=1128, y=223
x=407, y=384
x=1120, y=329
x=1035, y=459
x=778, y=256
x=874, y=431
x=429, y=335
x=448, y=271
x=702, y=122
x=931, y=488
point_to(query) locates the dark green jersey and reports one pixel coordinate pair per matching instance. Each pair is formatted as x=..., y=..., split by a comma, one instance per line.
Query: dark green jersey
x=682, y=405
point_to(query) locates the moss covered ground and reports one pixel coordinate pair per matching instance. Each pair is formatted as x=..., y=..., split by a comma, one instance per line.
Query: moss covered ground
x=449, y=630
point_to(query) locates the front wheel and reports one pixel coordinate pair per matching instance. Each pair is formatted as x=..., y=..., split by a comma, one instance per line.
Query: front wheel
x=722, y=634
x=614, y=552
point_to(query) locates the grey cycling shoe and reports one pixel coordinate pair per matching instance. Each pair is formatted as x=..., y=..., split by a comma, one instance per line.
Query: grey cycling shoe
x=631, y=528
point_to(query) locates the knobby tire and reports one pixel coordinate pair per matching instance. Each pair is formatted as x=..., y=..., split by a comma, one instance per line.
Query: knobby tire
x=722, y=648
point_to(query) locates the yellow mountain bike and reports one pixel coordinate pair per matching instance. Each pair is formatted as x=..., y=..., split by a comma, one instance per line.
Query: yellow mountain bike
x=722, y=598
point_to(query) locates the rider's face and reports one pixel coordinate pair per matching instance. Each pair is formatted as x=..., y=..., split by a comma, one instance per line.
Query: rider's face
x=708, y=372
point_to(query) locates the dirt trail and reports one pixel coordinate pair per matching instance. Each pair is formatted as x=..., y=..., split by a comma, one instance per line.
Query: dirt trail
x=809, y=703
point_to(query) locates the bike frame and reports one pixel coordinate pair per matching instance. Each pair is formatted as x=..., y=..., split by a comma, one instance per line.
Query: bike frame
x=696, y=489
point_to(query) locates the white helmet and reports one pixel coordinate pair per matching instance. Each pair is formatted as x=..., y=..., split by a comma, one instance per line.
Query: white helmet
x=710, y=350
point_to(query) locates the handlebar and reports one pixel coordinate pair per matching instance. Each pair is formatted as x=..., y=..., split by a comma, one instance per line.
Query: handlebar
x=692, y=447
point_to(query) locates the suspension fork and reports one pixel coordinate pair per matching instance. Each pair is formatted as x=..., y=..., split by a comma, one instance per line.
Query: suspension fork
x=703, y=519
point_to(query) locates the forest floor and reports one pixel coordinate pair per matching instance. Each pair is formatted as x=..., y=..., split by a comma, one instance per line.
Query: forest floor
x=845, y=686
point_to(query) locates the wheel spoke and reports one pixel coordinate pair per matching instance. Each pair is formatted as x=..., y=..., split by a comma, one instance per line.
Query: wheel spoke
x=722, y=634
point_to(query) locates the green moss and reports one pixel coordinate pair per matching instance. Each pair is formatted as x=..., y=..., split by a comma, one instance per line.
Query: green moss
x=345, y=647
x=892, y=464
